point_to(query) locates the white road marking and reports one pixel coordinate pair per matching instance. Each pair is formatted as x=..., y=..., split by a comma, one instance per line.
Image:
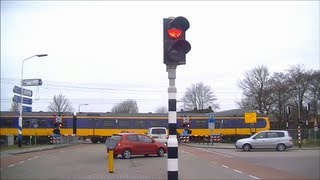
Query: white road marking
x=11, y=165
x=36, y=157
x=30, y=159
x=254, y=177
x=21, y=162
x=225, y=166
x=238, y=171
x=225, y=155
x=214, y=162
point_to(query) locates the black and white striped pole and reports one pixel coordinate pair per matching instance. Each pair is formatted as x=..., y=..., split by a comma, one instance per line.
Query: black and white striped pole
x=172, y=122
x=175, y=48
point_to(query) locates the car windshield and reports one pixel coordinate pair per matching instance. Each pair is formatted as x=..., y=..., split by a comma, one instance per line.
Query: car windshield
x=116, y=137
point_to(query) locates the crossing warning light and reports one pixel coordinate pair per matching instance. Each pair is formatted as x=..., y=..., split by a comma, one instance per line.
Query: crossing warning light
x=175, y=46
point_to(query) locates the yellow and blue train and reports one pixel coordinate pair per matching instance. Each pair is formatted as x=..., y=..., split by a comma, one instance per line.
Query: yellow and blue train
x=99, y=126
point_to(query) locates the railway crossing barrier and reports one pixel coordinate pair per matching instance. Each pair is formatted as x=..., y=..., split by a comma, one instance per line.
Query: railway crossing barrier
x=215, y=138
x=55, y=139
x=184, y=139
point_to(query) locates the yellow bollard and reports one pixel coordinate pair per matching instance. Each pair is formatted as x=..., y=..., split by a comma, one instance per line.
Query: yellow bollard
x=110, y=160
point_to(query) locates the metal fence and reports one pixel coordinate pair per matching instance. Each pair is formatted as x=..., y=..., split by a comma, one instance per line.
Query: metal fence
x=308, y=136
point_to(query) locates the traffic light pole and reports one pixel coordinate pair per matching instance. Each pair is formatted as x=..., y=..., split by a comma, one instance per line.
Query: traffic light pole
x=172, y=121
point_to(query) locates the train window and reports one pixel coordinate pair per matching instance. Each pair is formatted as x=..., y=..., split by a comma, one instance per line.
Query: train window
x=7, y=122
x=108, y=123
x=155, y=123
x=26, y=123
x=164, y=123
x=261, y=123
x=139, y=123
x=124, y=123
x=200, y=123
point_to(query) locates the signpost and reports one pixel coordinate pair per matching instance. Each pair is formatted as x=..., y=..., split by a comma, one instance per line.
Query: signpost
x=32, y=82
x=211, y=125
x=25, y=92
x=26, y=109
x=25, y=100
x=110, y=144
x=250, y=118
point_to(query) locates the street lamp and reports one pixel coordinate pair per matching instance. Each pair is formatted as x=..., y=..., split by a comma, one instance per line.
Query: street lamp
x=81, y=105
x=21, y=99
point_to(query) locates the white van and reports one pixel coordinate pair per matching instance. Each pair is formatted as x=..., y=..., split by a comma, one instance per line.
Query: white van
x=158, y=133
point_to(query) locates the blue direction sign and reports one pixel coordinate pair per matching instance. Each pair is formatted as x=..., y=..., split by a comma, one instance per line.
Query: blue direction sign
x=26, y=92
x=17, y=99
x=32, y=82
x=211, y=118
x=211, y=121
x=26, y=109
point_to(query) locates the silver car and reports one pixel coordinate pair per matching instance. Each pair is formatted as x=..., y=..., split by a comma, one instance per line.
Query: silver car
x=272, y=139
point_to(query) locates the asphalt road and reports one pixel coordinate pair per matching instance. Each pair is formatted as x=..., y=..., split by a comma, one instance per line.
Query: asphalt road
x=89, y=161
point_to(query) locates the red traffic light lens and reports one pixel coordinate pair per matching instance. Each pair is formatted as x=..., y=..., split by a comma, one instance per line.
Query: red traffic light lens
x=174, y=33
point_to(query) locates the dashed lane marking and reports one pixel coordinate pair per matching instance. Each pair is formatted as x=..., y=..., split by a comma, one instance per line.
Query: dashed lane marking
x=11, y=165
x=254, y=177
x=238, y=171
x=225, y=166
x=21, y=162
x=225, y=155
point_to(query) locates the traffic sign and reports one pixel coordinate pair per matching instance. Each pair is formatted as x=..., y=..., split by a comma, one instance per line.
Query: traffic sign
x=26, y=109
x=211, y=118
x=211, y=121
x=25, y=92
x=32, y=82
x=25, y=100
x=250, y=117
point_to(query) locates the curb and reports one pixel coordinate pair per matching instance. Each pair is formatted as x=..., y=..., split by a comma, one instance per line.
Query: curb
x=14, y=152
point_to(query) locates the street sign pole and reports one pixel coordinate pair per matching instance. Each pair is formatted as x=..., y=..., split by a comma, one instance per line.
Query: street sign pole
x=211, y=126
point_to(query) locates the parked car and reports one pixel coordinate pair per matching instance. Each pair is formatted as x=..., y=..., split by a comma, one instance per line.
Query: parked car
x=129, y=144
x=158, y=133
x=272, y=139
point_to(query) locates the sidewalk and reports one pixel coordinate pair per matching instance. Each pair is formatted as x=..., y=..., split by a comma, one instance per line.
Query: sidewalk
x=231, y=146
x=32, y=149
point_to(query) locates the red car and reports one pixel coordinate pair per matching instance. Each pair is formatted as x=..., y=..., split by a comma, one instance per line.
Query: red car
x=129, y=144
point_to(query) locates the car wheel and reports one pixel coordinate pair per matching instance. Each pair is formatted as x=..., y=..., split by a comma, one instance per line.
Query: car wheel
x=160, y=152
x=246, y=147
x=126, y=154
x=281, y=147
x=146, y=155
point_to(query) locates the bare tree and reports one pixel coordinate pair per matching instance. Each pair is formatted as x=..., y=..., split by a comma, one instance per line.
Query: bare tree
x=199, y=96
x=15, y=107
x=280, y=96
x=256, y=90
x=314, y=92
x=128, y=106
x=60, y=104
x=298, y=78
x=161, y=109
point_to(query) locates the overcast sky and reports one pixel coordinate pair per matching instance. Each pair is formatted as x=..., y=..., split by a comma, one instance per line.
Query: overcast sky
x=102, y=53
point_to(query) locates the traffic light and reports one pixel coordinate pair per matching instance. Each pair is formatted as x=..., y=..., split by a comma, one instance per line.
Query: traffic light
x=60, y=125
x=288, y=109
x=175, y=47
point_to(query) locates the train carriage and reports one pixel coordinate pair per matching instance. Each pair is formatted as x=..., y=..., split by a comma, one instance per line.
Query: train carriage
x=99, y=126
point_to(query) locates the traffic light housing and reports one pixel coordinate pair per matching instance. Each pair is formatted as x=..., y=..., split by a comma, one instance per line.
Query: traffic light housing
x=175, y=47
